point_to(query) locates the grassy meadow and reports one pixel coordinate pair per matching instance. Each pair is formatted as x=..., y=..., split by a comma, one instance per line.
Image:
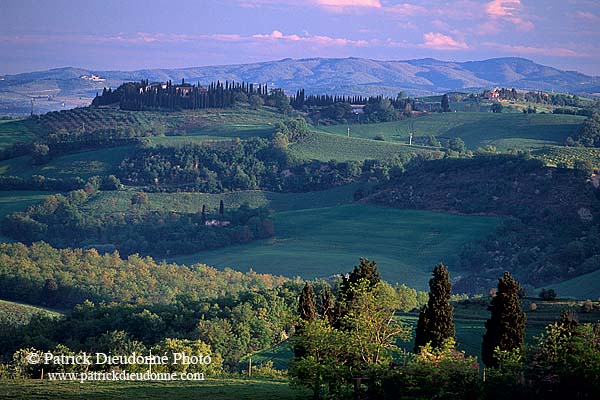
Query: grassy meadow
x=83, y=164
x=327, y=241
x=17, y=200
x=107, y=202
x=581, y=287
x=326, y=147
x=212, y=388
x=505, y=130
x=13, y=131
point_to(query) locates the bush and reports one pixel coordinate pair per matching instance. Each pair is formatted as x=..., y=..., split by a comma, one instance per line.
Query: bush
x=547, y=294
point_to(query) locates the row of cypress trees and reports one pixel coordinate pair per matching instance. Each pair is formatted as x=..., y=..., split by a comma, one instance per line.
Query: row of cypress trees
x=505, y=329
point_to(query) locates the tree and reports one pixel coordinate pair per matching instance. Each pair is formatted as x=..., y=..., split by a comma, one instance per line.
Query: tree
x=497, y=108
x=435, y=323
x=584, y=165
x=505, y=330
x=445, y=103
x=327, y=305
x=40, y=154
x=221, y=208
x=547, y=294
x=50, y=291
x=366, y=270
x=307, y=307
x=307, y=313
x=256, y=101
x=361, y=342
x=139, y=198
x=457, y=144
x=433, y=142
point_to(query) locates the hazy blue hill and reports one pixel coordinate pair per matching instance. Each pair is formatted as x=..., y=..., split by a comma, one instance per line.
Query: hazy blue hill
x=317, y=75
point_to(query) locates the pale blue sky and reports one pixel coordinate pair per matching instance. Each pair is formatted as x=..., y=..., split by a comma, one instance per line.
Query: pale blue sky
x=137, y=34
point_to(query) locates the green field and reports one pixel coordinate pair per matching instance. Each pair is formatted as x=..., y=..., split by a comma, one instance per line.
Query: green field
x=18, y=200
x=20, y=314
x=582, y=287
x=212, y=388
x=83, y=164
x=507, y=130
x=107, y=202
x=280, y=355
x=227, y=131
x=327, y=241
x=13, y=131
x=326, y=147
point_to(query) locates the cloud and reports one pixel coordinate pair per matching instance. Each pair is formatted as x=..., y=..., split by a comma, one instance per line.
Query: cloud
x=330, y=5
x=406, y=10
x=530, y=50
x=145, y=38
x=587, y=16
x=505, y=10
x=315, y=39
x=439, y=41
x=349, y=3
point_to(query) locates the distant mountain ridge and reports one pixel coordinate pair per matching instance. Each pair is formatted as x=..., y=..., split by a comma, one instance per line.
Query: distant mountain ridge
x=348, y=76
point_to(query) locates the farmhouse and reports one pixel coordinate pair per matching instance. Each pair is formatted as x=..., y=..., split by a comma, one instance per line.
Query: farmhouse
x=217, y=223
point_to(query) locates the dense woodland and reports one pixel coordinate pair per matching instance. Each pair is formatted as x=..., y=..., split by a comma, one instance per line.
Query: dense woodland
x=136, y=299
x=252, y=164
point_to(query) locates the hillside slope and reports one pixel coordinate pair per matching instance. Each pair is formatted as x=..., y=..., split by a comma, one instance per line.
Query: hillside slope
x=347, y=76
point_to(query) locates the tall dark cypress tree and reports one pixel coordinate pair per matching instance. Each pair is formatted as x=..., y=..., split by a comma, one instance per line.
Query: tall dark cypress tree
x=327, y=305
x=221, y=208
x=506, y=327
x=445, y=103
x=307, y=311
x=435, y=321
x=307, y=306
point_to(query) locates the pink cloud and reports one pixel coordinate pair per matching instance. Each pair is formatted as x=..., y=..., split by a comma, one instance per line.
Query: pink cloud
x=330, y=5
x=406, y=10
x=587, y=16
x=316, y=39
x=506, y=10
x=530, y=50
x=439, y=41
x=349, y=3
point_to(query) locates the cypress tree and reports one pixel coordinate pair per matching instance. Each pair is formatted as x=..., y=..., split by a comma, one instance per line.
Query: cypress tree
x=435, y=320
x=327, y=305
x=307, y=311
x=506, y=327
x=445, y=103
x=307, y=307
x=364, y=270
x=221, y=208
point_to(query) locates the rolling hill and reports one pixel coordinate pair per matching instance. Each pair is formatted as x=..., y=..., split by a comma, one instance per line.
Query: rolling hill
x=349, y=76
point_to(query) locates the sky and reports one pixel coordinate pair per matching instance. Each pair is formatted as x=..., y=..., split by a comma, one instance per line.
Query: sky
x=129, y=35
